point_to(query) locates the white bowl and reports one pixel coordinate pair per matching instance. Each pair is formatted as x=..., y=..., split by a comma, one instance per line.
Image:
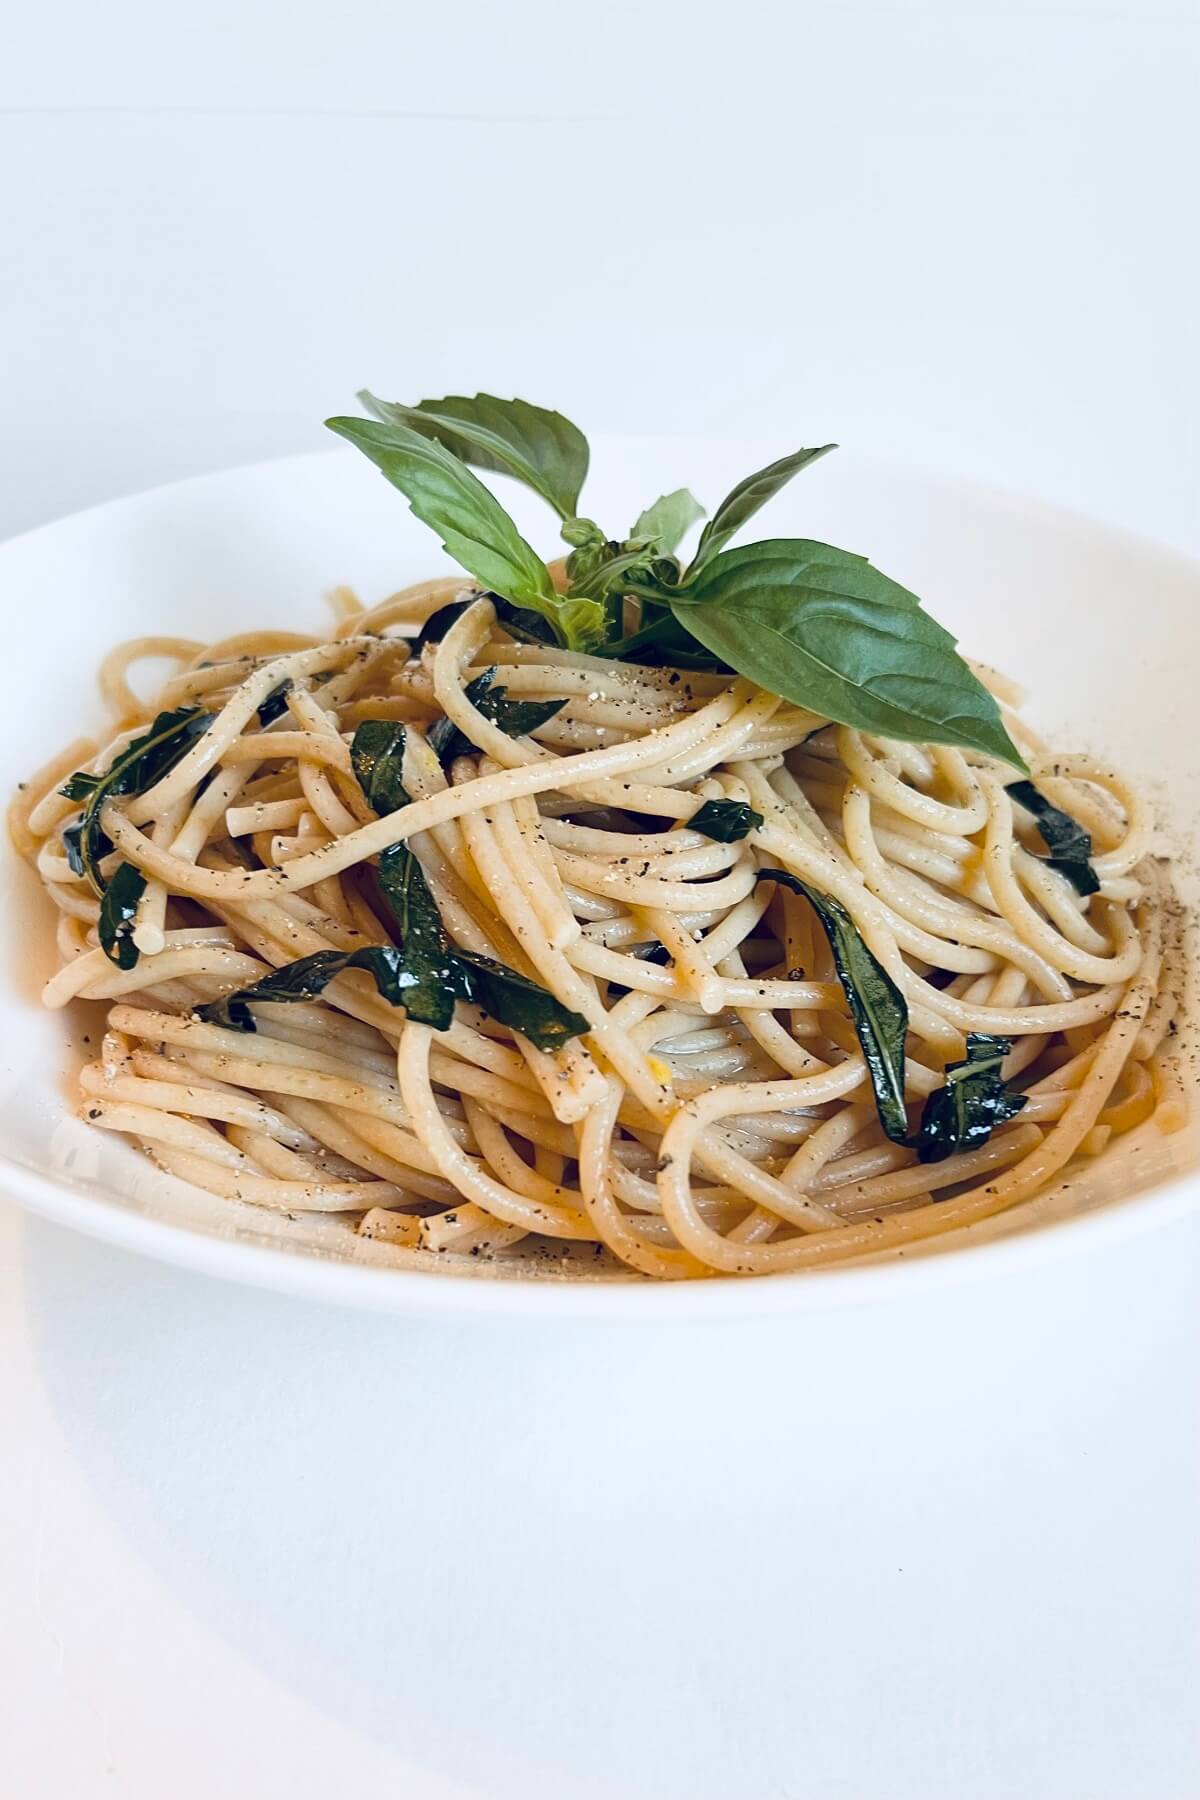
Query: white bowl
x=1101, y=628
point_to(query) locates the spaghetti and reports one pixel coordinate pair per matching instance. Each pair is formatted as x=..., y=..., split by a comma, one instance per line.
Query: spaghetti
x=715, y=1107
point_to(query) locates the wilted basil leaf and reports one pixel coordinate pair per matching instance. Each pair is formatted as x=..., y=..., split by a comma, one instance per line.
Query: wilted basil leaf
x=964, y=1113
x=275, y=704
x=1070, y=846
x=438, y=623
x=522, y=1005
x=515, y=717
x=436, y=972
x=725, y=820
x=377, y=758
x=70, y=837
x=143, y=762
x=311, y=975
x=651, y=953
x=118, y=910
x=877, y=1006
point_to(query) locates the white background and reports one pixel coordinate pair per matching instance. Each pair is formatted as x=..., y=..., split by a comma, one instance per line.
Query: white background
x=253, y=1547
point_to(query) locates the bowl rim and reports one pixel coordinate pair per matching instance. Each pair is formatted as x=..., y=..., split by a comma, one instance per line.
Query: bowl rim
x=312, y=1274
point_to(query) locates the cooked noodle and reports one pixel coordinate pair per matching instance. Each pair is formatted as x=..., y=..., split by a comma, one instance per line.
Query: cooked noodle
x=717, y=1116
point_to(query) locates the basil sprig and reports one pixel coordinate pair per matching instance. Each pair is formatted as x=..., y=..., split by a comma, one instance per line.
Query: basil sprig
x=808, y=621
x=974, y=1101
x=877, y=1007
x=1070, y=846
x=472, y=524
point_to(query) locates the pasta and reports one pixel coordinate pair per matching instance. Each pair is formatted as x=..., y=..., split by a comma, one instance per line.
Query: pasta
x=717, y=1111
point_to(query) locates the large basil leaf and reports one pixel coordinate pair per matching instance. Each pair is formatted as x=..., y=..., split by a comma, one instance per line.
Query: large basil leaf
x=964, y=1113
x=666, y=523
x=516, y=717
x=472, y=524
x=830, y=633
x=118, y=910
x=877, y=1006
x=508, y=437
x=1070, y=846
x=143, y=762
x=743, y=502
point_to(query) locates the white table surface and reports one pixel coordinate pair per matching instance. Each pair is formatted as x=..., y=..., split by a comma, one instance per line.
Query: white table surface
x=249, y=1546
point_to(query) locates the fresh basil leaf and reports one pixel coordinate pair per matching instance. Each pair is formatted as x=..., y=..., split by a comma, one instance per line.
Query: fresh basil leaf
x=516, y=717
x=662, y=641
x=830, y=633
x=472, y=524
x=522, y=1005
x=667, y=522
x=118, y=910
x=143, y=762
x=377, y=758
x=310, y=976
x=507, y=437
x=964, y=1113
x=275, y=704
x=1070, y=846
x=743, y=502
x=877, y=1006
x=726, y=821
